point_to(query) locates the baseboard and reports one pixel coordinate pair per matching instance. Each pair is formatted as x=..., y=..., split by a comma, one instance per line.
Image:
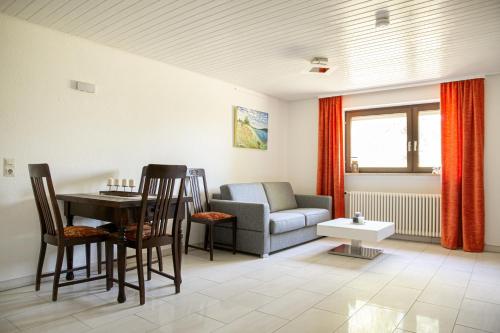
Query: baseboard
x=18, y=283
x=437, y=240
x=492, y=248
x=419, y=239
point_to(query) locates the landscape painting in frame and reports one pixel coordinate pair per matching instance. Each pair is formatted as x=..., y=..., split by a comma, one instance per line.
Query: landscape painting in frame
x=250, y=128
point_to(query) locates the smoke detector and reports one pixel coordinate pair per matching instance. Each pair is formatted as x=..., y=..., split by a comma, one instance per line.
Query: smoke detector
x=319, y=65
x=382, y=18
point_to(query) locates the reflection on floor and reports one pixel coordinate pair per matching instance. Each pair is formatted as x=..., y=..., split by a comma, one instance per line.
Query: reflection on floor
x=412, y=287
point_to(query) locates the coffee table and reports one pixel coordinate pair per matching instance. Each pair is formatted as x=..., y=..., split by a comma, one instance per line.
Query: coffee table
x=373, y=231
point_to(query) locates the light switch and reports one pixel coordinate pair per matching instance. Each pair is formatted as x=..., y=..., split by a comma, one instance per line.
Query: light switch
x=9, y=167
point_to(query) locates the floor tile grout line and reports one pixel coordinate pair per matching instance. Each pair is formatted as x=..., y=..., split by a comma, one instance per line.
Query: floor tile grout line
x=413, y=303
x=368, y=301
x=420, y=293
x=184, y=317
x=206, y=316
x=385, y=285
x=482, y=301
x=312, y=306
x=81, y=321
x=220, y=321
x=10, y=322
x=408, y=263
x=465, y=293
x=481, y=330
x=145, y=319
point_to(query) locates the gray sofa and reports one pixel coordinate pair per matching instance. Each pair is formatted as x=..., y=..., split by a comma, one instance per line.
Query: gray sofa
x=270, y=216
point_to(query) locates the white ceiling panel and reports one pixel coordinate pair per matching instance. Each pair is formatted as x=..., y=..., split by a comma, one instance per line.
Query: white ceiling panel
x=266, y=45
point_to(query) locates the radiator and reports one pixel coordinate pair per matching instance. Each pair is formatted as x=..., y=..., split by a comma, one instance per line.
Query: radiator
x=413, y=214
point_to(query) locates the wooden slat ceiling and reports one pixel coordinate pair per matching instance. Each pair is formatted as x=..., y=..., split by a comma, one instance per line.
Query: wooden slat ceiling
x=266, y=45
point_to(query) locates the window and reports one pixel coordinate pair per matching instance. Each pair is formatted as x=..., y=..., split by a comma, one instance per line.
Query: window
x=397, y=139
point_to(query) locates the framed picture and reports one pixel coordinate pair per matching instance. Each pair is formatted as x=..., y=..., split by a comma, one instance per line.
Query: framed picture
x=250, y=128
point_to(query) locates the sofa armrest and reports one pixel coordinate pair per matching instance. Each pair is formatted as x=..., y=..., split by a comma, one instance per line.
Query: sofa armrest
x=314, y=201
x=250, y=216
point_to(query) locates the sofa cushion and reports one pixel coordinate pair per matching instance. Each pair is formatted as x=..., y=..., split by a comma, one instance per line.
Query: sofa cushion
x=313, y=215
x=280, y=196
x=283, y=222
x=250, y=192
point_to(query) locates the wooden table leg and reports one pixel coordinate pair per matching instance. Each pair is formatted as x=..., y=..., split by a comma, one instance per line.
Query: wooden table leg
x=69, y=263
x=122, y=257
x=211, y=228
x=179, y=251
x=205, y=241
x=234, y=237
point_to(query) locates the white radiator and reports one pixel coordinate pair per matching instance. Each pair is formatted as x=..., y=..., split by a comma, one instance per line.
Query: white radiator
x=413, y=214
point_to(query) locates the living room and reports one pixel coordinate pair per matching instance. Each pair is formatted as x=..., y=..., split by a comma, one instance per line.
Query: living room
x=100, y=90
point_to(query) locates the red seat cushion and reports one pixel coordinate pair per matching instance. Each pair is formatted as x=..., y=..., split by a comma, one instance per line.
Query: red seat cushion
x=79, y=231
x=131, y=232
x=213, y=216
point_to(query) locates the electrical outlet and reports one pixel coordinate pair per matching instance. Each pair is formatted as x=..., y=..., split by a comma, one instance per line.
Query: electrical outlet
x=9, y=167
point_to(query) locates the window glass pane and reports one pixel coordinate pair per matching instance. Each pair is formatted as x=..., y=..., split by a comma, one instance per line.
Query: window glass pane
x=379, y=140
x=429, y=139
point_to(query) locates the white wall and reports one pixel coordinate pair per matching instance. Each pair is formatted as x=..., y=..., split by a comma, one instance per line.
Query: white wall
x=492, y=159
x=303, y=137
x=303, y=145
x=143, y=112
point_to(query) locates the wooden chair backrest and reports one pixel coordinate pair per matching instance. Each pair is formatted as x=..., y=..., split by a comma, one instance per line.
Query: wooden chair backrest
x=170, y=180
x=193, y=177
x=154, y=186
x=46, y=204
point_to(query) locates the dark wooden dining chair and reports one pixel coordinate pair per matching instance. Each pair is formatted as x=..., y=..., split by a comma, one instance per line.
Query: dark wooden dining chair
x=153, y=227
x=201, y=213
x=111, y=227
x=54, y=233
x=153, y=189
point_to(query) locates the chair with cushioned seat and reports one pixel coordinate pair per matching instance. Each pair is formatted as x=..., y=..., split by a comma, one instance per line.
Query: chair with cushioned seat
x=54, y=233
x=153, y=228
x=205, y=216
x=111, y=227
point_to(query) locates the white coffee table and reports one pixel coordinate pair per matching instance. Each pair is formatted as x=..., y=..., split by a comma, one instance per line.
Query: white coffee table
x=373, y=231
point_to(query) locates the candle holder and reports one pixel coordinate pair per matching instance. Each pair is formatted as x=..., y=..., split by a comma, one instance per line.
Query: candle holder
x=124, y=188
x=131, y=188
x=109, y=187
x=116, y=187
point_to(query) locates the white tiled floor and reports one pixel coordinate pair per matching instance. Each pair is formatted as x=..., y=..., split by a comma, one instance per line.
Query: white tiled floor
x=412, y=287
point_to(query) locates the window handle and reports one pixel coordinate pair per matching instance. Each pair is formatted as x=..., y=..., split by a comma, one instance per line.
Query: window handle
x=409, y=145
x=415, y=145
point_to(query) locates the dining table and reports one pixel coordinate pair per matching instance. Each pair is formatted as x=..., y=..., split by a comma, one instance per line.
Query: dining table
x=120, y=209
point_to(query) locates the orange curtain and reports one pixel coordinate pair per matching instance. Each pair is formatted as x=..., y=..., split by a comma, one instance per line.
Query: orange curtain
x=330, y=177
x=462, y=142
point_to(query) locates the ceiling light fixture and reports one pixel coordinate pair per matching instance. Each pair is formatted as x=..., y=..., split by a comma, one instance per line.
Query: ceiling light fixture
x=319, y=65
x=382, y=18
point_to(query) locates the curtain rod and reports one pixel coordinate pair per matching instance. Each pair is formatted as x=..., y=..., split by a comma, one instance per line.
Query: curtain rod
x=402, y=86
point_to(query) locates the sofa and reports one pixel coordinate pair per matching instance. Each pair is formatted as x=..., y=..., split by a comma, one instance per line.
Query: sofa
x=270, y=216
